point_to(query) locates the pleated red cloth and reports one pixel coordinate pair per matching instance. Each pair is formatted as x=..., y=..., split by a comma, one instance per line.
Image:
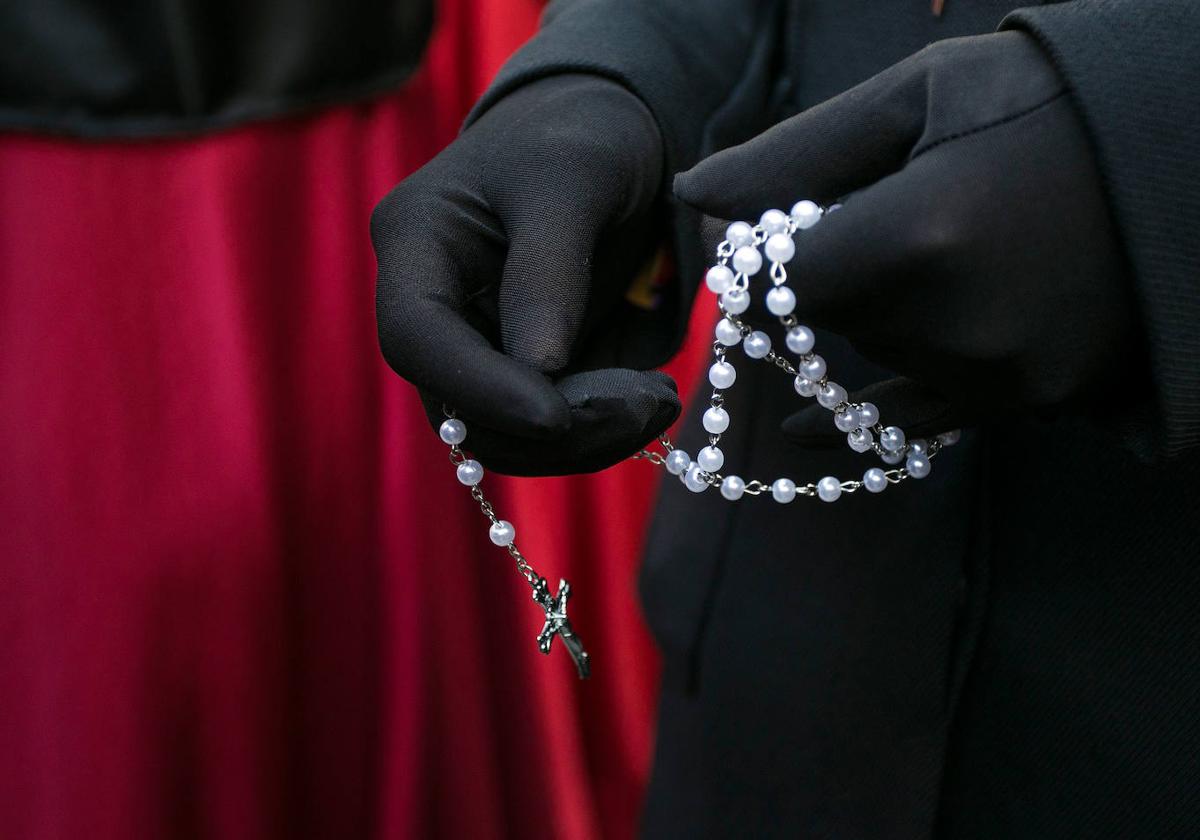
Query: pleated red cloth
x=241, y=593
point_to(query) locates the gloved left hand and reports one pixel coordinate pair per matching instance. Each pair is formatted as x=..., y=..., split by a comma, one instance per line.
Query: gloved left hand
x=503, y=269
x=974, y=253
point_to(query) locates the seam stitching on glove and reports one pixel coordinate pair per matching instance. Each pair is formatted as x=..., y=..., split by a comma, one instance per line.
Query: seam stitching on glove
x=986, y=126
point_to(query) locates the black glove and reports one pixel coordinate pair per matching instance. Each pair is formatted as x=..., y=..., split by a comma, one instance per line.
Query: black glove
x=524, y=235
x=974, y=252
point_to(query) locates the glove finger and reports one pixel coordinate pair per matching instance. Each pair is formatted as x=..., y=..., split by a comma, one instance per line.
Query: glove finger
x=918, y=410
x=712, y=232
x=590, y=176
x=422, y=298
x=545, y=292
x=613, y=413
x=851, y=267
x=871, y=130
x=831, y=149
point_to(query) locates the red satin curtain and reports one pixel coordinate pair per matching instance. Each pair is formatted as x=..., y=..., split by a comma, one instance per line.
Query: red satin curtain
x=241, y=593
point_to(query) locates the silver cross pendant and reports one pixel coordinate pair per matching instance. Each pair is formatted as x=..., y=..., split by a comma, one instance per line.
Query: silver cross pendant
x=557, y=624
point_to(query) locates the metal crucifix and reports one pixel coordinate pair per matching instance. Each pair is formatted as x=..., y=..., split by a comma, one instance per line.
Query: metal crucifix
x=557, y=624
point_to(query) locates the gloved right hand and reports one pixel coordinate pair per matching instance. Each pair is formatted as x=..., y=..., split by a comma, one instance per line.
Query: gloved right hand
x=503, y=266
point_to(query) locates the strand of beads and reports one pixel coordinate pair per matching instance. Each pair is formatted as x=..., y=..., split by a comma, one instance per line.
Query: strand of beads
x=739, y=259
x=453, y=432
x=470, y=473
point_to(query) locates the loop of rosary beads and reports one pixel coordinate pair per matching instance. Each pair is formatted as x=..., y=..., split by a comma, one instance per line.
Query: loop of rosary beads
x=738, y=259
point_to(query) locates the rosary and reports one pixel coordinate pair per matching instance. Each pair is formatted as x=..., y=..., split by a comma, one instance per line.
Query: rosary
x=738, y=259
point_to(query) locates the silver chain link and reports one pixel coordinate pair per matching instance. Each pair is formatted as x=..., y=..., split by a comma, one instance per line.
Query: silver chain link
x=524, y=568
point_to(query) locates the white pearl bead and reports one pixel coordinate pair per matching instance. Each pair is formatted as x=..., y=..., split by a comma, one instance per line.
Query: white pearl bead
x=739, y=234
x=919, y=446
x=892, y=439
x=860, y=440
x=781, y=301
x=917, y=465
x=806, y=214
x=716, y=420
x=805, y=387
x=892, y=458
x=732, y=487
x=783, y=490
x=470, y=472
x=747, y=260
x=812, y=368
x=829, y=489
x=721, y=375
x=869, y=414
x=736, y=301
x=678, y=461
x=728, y=333
x=950, y=438
x=773, y=221
x=711, y=459
x=831, y=394
x=757, y=345
x=875, y=480
x=694, y=480
x=779, y=247
x=800, y=340
x=502, y=533
x=718, y=279
x=453, y=432
x=846, y=420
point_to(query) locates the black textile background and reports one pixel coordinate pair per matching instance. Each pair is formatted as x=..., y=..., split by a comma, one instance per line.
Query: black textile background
x=141, y=68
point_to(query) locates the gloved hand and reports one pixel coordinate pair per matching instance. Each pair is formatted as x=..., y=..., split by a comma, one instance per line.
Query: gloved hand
x=974, y=252
x=503, y=266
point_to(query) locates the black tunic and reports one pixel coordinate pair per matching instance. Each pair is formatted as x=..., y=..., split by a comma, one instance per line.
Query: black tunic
x=1010, y=648
x=144, y=68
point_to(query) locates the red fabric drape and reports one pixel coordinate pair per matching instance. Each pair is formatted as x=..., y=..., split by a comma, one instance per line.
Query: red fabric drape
x=241, y=593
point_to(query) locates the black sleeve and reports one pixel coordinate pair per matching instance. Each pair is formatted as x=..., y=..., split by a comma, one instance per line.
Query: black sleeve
x=1133, y=67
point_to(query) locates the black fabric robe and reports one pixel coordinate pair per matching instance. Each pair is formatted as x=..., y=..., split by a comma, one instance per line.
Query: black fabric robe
x=1010, y=648
x=145, y=68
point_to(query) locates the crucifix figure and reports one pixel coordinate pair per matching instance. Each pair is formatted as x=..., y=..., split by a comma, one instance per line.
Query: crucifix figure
x=557, y=624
